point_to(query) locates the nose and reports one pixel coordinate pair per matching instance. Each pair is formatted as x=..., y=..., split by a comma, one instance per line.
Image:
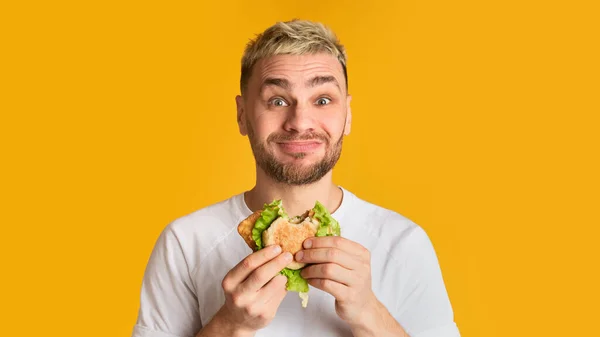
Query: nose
x=299, y=119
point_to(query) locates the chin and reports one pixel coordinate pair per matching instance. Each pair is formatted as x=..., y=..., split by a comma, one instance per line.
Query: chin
x=300, y=158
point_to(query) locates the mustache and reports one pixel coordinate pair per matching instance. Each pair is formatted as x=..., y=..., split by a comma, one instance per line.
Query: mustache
x=283, y=137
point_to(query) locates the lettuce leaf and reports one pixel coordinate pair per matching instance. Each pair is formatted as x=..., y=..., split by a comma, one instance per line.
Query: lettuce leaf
x=328, y=226
x=269, y=213
x=295, y=281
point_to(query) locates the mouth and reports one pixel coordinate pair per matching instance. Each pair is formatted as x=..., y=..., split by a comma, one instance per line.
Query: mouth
x=299, y=147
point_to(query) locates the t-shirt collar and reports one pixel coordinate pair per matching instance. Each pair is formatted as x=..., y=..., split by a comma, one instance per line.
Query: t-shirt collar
x=339, y=213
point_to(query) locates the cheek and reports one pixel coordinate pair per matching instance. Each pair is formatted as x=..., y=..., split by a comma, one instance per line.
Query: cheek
x=263, y=121
x=263, y=127
x=333, y=125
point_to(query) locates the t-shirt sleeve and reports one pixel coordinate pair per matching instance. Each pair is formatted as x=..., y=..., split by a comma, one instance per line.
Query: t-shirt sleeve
x=168, y=304
x=423, y=309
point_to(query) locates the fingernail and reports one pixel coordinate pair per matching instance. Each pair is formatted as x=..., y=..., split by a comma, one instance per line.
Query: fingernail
x=287, y=256
x=299, y=255
x=277, y=249
x=307, y=243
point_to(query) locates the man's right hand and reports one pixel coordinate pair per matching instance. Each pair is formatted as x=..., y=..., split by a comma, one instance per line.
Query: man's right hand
x=254, y=290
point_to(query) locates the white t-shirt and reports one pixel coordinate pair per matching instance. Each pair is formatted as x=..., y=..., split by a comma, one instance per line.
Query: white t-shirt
x=181, y=290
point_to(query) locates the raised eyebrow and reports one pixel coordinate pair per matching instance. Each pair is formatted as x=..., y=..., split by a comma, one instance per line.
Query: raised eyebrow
x=278, y=82
x=320, y=80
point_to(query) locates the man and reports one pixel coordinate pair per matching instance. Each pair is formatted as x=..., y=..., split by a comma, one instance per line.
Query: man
x=380, y=278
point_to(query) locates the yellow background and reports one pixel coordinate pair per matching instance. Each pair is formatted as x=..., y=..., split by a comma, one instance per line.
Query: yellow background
x=476, y=119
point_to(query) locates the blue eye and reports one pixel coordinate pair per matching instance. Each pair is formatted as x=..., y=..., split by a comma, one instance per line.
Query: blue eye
x=278, y=102
x=323, y=101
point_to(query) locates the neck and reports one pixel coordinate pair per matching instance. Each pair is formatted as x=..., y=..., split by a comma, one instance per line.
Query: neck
x=296, y=199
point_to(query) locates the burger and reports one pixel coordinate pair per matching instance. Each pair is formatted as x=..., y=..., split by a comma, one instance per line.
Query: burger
x=272, y=226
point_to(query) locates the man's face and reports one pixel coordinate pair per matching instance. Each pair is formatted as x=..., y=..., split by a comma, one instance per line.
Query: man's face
x=295, y=112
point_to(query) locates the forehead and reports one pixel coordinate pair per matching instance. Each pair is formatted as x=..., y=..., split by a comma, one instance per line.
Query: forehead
x=297, y=68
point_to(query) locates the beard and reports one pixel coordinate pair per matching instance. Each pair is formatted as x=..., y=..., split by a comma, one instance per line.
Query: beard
x=293, y=173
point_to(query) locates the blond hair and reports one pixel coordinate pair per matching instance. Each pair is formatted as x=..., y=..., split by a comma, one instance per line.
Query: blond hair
x=296, y=37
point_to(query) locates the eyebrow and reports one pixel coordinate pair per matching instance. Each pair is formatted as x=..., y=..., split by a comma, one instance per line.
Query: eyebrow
x=286, y=85
x=277, y=82
x=320, y=80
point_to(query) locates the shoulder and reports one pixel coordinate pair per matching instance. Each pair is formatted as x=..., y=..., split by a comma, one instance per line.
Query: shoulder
x=200, y=231
x=214, y=218
x=377, y=220
x=387, y=227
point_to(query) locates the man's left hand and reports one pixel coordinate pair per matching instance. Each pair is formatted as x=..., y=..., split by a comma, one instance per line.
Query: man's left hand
x=342, y=268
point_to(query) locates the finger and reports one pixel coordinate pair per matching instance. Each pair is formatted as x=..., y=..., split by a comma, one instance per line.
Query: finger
x=243, y=269
x=336, y=289
x=269, y=298
x=263, y=274
x=275, y=301
x=330, y=271
x=329, y=255
x=274, y=291
x=338, y=242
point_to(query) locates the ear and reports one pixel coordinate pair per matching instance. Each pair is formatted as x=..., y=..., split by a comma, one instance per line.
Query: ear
x=348, y=116
x=241, y=115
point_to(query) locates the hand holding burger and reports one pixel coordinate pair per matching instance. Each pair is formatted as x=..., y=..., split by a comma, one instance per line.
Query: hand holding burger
x=272, y=226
